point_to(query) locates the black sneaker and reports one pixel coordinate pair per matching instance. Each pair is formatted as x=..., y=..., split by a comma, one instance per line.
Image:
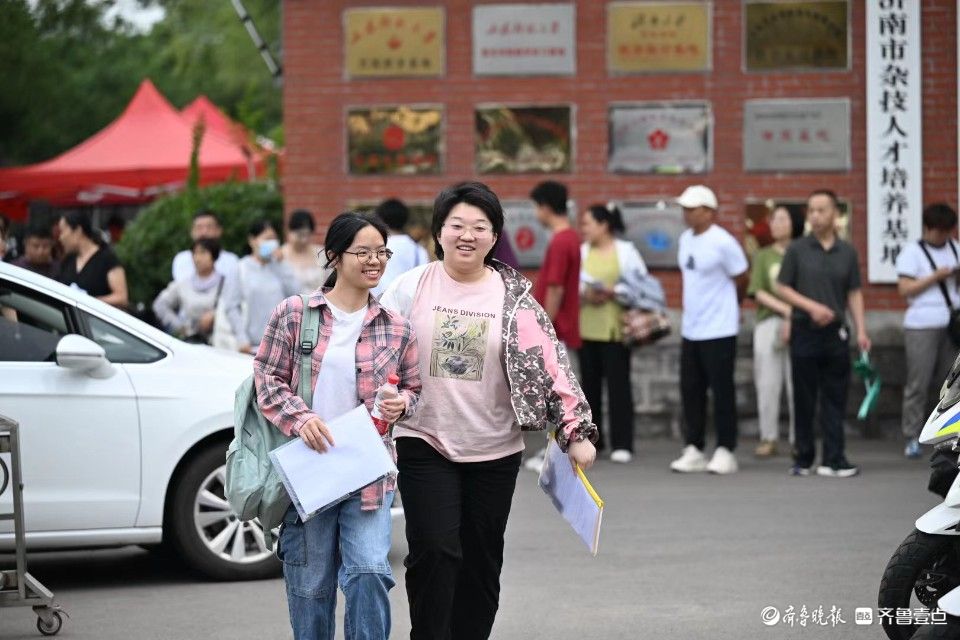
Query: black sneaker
x=797, y=470
x=842, y=470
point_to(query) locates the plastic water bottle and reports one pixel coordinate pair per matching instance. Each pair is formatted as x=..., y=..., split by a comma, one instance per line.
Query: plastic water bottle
x=388, y=390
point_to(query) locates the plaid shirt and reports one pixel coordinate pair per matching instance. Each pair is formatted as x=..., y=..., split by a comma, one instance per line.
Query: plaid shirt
x=386, y=345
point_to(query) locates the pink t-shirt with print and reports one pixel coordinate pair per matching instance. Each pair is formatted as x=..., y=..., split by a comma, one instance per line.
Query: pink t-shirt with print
x=465, y=411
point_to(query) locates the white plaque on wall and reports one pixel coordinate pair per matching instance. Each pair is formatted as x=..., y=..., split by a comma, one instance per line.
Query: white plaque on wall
x=796, y=135
x=894, y=134
x=524, y=39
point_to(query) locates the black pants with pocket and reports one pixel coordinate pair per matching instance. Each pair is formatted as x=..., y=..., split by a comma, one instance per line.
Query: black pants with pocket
x=608, y=361
x=820, y=360
x=709, y=364
x=456, y=514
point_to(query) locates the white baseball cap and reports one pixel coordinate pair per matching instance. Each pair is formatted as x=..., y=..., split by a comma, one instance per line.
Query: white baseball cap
x=698, y=196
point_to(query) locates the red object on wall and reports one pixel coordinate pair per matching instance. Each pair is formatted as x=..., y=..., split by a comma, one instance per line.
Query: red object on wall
x=316, y=97
x=144, y=152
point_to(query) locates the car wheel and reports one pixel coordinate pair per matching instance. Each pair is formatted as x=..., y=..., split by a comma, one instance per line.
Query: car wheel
x=207, y=533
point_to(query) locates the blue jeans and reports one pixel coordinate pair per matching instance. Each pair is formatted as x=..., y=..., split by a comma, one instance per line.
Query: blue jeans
x=346, y=544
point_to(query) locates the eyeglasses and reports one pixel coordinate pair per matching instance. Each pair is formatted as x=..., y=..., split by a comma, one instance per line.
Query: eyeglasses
x=478, y=230
x=364, y=255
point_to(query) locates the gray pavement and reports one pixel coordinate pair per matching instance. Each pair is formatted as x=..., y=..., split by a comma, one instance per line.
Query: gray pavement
x=684, y=557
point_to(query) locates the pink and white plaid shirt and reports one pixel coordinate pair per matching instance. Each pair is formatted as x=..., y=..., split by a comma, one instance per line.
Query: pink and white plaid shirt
x=386, y=345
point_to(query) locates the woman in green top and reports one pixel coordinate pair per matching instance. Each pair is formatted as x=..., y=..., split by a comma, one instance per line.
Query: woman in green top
x=771, y=335
x=604, y=259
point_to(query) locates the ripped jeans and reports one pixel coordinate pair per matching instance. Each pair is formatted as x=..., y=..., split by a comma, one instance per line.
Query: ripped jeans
x=341, y=544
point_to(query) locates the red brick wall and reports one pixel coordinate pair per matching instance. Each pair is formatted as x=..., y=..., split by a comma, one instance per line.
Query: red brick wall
x=315, y=97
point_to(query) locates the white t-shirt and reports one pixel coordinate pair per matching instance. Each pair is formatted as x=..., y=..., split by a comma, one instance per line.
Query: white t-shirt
x=709, y=262
x=336, y=390
x=928, y=309
x=407, y=254
x=183, y=267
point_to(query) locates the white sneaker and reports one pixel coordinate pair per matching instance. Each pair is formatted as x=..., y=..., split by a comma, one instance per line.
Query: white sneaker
x=621, y=455
x=691, y=461
x=535, y=462
x=723, y=462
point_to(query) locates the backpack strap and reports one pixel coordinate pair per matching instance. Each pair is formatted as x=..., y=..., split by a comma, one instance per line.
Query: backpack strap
x=933, y=265
x=309, y=327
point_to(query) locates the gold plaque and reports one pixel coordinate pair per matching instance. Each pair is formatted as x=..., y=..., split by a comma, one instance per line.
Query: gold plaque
x=644, y=37
x=797, y=35
x=393, y=42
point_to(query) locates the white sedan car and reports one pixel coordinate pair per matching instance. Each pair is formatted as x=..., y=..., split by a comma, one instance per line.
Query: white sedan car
x=123, y=431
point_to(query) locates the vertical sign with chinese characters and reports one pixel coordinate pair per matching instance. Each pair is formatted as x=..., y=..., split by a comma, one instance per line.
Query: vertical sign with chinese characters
x=393, y=42
x=524, y=39
x=894, y=154
x=645, y=37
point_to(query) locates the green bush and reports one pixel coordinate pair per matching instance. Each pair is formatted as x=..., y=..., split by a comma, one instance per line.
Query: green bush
x=163, y=228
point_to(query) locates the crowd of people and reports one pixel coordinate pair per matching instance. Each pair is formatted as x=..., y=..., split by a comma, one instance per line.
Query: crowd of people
x=806, y=286
x=480, y=356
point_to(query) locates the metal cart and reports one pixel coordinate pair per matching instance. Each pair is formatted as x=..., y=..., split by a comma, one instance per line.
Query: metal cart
x=17, y=587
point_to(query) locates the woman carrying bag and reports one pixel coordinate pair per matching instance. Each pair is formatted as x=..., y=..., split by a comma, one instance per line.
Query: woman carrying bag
x=359, y=345
x=605, y=259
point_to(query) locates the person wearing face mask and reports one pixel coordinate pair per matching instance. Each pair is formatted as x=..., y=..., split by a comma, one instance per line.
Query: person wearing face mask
x=261, y=282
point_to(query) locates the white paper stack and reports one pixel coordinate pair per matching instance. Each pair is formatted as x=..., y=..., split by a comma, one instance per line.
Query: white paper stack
x=316, y=481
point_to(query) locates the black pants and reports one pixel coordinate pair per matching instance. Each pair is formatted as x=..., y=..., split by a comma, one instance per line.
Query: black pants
x=456, y=517
x=708, y=364
x=609, y=361
x=820, y=359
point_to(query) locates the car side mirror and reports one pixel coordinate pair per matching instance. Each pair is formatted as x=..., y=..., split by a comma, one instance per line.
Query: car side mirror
x=83, y=355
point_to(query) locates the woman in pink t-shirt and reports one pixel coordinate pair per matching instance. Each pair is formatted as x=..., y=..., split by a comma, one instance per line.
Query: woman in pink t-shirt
x=491, y=367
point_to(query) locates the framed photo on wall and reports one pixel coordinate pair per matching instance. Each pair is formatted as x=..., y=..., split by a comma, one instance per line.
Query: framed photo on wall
x=394, y=140
x=523, y=139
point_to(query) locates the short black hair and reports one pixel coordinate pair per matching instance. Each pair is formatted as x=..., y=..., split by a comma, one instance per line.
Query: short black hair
x=301, y=219
x=551, y=194
x=38, y=231
x=209, y=245
x=476, y=194
x=207, y=213
x=608, y=214
x=81, y=220
x=826, y=192
x=259, y=226
x=394, y=213
x=939, y=216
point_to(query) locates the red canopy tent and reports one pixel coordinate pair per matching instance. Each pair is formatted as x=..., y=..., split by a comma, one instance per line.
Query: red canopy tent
x=214, y=120
x=141, y=154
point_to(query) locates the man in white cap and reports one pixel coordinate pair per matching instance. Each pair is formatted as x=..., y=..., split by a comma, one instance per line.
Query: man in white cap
x=711, y=262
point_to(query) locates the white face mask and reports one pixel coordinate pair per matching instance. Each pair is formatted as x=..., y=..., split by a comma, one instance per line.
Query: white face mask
x=267, y=247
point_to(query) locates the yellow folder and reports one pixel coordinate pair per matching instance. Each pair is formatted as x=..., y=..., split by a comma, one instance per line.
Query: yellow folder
x=572, y=495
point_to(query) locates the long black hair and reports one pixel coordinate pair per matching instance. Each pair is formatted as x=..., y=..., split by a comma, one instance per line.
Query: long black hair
x=340, y=235
x=473, y=193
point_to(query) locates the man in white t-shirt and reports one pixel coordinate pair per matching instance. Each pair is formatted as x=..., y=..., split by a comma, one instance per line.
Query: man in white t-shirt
x=711, y=262
x=206, y=224
x=407, y=254
x=928, y=272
